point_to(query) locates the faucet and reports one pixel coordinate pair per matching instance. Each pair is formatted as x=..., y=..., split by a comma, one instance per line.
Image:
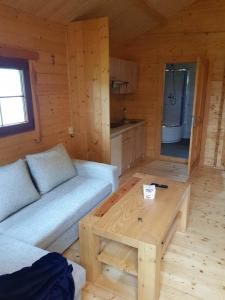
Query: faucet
x=125, y=119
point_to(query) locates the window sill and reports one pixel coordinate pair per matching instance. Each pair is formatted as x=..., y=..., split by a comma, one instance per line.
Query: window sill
x=33, y=135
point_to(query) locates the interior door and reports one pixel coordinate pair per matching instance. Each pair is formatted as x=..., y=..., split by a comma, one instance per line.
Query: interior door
x=198, y=114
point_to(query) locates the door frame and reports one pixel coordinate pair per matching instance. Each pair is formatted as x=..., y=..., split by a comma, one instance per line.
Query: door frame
x=177, y=60
x=199, y=115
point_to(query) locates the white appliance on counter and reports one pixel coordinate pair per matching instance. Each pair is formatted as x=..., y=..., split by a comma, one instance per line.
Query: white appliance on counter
x=116, y=152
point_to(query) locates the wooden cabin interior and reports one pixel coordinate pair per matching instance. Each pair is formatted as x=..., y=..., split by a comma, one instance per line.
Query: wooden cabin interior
x=140, y=85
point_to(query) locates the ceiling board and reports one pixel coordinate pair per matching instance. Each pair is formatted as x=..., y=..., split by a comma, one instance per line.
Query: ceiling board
x=128, y=18
x=169, y=8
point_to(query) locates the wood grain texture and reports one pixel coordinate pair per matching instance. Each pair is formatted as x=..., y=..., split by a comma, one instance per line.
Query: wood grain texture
x=126, y=259
x=193, y=267
x=134, y=219
x=133, y=222
x=91, y=244
x=88, y=63
x=102, y=210
x=128, y=18
x=18, y=53
x=198, y=115
x=124, y=70
x=149, y=264
x=49, y=77
x=198, y=31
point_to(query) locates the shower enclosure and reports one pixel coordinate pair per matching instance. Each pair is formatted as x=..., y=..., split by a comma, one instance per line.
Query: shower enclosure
x=177, y=109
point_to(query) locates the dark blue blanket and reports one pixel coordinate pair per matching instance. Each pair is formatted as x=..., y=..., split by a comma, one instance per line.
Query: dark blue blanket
x=48, y=278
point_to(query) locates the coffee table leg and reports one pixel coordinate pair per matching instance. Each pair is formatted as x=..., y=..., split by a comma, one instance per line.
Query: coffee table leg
x=149, y=263
x=89, y=249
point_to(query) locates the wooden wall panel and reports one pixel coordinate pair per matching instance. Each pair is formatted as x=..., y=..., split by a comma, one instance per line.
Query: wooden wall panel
x=117, y=103
x=49, y=76
x=198, y=31
x=128, y=18
x=88, y=62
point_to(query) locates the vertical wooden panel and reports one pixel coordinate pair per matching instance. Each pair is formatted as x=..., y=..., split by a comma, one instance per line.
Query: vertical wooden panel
x=219, y=157
x=88, y=60
x=149, y=263
x=198, y=114
x=214, y=141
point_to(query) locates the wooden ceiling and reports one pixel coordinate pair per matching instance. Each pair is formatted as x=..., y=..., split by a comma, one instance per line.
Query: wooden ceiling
x=128, y=18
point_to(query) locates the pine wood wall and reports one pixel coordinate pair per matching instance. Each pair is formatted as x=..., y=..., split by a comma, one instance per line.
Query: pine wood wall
x=117, y=103
x=50, y=75
x=88, y=62
x=198, y=31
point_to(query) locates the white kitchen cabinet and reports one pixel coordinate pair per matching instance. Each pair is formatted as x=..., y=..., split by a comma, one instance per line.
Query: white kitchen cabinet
x=139, y=136
x=116, y=152
x=128, y=154
x=128, y=147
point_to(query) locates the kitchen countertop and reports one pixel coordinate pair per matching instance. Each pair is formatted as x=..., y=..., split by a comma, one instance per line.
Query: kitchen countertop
x=119, y=130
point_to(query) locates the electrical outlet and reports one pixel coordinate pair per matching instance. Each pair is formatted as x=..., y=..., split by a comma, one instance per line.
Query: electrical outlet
x=71, y=131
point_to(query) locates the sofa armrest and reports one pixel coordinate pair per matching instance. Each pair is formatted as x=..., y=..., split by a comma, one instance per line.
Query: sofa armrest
x=98, y=170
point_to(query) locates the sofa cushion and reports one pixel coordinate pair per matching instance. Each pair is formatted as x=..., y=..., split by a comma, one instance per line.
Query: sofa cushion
x=15, y=255
x=51, y=168
x=16, y=188
x=42, y=222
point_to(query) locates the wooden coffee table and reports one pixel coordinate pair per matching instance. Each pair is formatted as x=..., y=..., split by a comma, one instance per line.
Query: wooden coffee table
x=131, y=235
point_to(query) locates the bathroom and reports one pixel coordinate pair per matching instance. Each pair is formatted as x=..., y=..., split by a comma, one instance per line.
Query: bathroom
x=177, y=110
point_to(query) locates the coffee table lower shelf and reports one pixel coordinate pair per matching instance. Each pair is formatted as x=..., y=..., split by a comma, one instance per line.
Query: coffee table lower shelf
x=126, y=258
x=121, y=283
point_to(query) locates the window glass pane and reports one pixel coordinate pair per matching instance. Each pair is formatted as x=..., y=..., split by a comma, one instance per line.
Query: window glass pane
x=12, y=111
x=10, y=82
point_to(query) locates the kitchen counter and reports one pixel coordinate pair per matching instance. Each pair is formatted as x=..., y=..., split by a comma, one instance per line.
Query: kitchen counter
x=123, y=128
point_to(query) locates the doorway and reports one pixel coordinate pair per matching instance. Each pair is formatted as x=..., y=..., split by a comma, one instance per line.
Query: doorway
x=177, y=110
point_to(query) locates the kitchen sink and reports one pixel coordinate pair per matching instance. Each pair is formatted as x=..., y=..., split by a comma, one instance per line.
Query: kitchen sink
x=115, y=125
x=131, y=121
x=124, y=122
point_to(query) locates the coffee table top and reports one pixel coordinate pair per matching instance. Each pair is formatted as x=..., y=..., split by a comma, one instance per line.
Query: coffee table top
x=132, y=218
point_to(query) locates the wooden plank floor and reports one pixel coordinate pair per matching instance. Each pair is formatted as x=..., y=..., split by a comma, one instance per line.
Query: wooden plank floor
x=171, y=170
x=174, y=171
x=194, y=265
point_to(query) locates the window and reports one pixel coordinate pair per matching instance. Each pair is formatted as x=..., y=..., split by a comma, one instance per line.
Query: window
x=16, y=111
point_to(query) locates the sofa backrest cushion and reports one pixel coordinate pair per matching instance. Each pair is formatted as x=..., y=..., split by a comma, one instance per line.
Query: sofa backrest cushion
x=51, y=168
x=16, y=188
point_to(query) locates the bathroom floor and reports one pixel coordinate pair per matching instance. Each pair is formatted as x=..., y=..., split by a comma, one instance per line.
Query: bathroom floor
x=180, y=149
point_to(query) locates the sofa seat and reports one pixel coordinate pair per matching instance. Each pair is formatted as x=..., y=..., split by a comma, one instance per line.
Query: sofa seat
x=42, y=222
x=14, y=255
